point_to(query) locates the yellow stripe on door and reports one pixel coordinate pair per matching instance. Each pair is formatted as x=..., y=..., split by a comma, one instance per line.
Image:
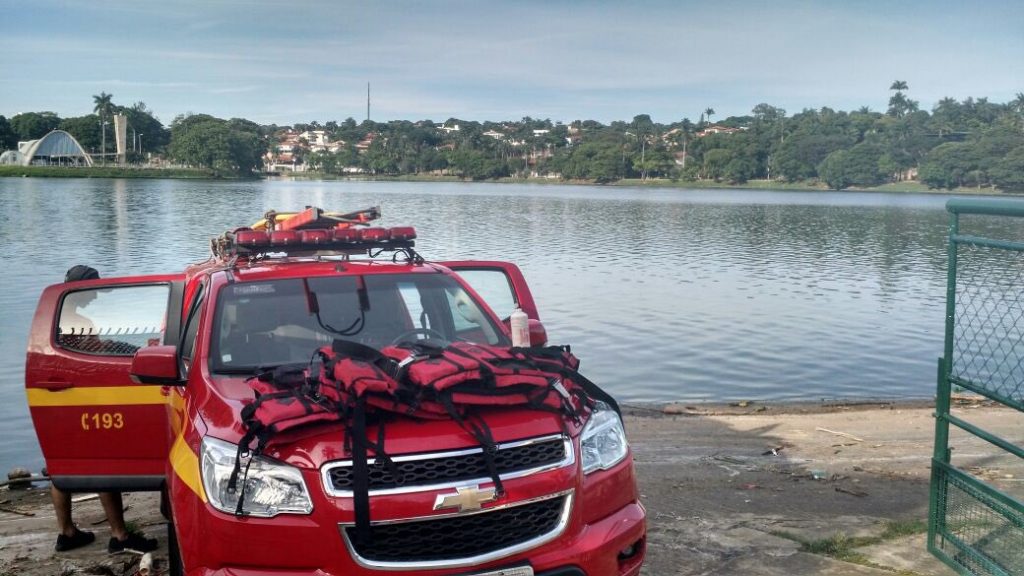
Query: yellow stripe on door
x=96, y=396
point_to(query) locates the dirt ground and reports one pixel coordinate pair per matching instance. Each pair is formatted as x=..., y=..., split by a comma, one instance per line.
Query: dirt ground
x=753, y=489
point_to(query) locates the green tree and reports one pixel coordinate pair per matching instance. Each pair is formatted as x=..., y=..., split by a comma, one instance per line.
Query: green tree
x=1008, y=172
x=600, y=161
x=348, y=156
x=858, y=166
x=380, y=159
x=811, y=136
x=475, y=164
x=208, y=142
x=739, y=170
x=945, y=116
x=992, y=145
x=715, y=162
x=654, y=161
x=899, y=104
x=709, y=112
x=323, y=161
x=85, y=129
x=103, y=104
x=907, y=139
x=148, y=133
x=8, y=139
x=799, y=156
x=1017, y=106
x=947, y=165
x=34, y=125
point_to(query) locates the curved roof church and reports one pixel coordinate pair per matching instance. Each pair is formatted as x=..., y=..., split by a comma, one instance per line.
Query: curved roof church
x=58, y=148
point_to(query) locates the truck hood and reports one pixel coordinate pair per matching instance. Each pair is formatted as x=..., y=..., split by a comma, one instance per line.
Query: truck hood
x=313, y=446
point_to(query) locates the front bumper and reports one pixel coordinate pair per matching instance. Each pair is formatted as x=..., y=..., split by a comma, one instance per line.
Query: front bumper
x=585, y=550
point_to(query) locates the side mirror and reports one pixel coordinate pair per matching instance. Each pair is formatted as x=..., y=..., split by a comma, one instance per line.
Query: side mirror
x=538, y=335
x=156, y=365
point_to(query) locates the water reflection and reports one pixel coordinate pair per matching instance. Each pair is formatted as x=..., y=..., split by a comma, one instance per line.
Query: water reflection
x=665, y=295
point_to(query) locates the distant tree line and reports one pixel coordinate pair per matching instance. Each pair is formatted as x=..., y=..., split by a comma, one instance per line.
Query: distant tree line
x=972, y=142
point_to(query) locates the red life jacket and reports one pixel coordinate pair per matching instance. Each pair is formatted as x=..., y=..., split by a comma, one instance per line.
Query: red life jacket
x=421, y=380
x=282, y=403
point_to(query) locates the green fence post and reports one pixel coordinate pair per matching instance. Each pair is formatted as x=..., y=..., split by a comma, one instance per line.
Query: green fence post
x=943, y=388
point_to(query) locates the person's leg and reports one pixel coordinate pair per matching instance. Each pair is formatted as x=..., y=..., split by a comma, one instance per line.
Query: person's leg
x=120, y=538
x=69, y=536
x=62, y=508
x=113, y=505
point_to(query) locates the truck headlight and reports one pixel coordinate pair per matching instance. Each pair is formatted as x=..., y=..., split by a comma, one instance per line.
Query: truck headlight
x=603, y=442
x=271, y=487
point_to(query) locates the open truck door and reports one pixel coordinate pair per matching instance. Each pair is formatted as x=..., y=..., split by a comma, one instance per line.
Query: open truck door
x=503, y=286
x=98, y=429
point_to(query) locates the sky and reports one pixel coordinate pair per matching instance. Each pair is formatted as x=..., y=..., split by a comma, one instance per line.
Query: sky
x=300, y=61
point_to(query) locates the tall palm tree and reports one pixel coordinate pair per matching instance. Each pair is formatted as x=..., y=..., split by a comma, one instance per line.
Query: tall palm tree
x=900, y=105
x=1017, y=105
x=103, y=103
x=709, y=112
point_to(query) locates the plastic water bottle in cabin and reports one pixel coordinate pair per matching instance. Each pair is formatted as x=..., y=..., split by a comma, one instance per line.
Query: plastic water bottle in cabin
x=520, y=325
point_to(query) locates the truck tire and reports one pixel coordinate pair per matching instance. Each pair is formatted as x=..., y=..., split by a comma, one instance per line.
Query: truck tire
x=165, y=504
x=174, y=567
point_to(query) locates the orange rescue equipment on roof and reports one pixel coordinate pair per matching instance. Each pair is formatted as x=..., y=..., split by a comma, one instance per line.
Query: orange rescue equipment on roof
x=313, y=217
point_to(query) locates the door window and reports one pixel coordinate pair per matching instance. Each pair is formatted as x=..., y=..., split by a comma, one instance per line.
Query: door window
x=467, y=318
x=113, y=321
x=495, y=289
x=187, y=346
x=413, y=301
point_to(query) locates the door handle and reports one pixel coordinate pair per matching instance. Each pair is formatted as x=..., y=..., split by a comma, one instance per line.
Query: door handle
x=54, y=385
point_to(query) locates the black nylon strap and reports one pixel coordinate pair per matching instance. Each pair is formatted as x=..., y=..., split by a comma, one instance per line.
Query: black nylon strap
x=592, y=390
x=361, y=473
x=486, y=373
x=423, y=348
x=482, y=433
x=553, y=355
x=355, y=350
x=241, y=494
x=381, y=455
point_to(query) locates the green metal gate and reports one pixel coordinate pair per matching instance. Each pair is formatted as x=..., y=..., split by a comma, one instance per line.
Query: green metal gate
x=974, y=527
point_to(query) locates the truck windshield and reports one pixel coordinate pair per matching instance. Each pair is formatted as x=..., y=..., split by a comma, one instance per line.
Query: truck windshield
x=259, y=325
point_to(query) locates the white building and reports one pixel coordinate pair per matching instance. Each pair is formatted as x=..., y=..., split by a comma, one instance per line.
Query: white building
x=58, y=148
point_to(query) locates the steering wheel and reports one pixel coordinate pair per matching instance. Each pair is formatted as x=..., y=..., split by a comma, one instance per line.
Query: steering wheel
x=428, y=332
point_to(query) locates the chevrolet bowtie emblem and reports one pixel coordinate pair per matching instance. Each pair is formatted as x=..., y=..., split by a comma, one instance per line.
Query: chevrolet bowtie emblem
x=465, y=499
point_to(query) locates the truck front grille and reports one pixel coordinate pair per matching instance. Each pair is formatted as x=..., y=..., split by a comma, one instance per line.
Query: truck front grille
x=462, y=539
x=417, y=471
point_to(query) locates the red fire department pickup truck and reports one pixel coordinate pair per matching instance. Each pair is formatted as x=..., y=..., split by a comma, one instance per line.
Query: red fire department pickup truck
x=137, y=383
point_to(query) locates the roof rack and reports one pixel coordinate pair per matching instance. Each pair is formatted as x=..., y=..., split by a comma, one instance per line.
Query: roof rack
x=314, y=232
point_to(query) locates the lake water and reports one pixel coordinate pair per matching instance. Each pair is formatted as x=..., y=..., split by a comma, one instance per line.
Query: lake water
x=693, y=295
